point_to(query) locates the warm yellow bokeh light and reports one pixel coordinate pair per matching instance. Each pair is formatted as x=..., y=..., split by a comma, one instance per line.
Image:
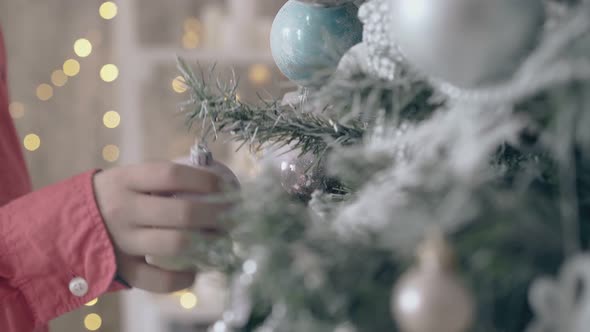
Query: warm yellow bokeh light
x=192, y=24
x=111, y=119
x=17, y=110
x=259, y=74
x=109, y=73
x=59, y=78
x=44, y=92
x=110, y=153
x=191, y=39
x=188, y=300
x=91, y=303
x=108, y=10
x=71, y=67
x=83, y=47
x=32, y=142
x=178, y=84
x=92, y=322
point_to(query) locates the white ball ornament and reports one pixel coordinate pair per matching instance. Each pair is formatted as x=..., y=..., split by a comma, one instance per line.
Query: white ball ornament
x=467, y=43
x=431, y=296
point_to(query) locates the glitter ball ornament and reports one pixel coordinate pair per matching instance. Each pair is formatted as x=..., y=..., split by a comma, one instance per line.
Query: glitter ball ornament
x=431, y=297
x=205, y=251
x=382, y=53
x=301, y=176
x=466, y=42
x=308, y=40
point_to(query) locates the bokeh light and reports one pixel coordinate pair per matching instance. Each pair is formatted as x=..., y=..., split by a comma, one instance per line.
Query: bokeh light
x=71, y=67
x=109, y=73
x=192, y=24
x=191, y=40
x=44, y=92
x=91, y=303
x=92, y=322
x=17, y=110
x=111, y=119
x=59, y=78
x=83, y=47
x=188, y=300
x=108, y=10
x=32, y=142
x=179, y=85
x=110, y=153
x=259, y=74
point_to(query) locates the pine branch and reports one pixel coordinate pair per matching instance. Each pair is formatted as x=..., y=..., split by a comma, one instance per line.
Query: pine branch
x=220, y=111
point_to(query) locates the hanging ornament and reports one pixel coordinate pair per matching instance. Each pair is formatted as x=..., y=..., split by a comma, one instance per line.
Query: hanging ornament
x=382, y=53
x=301, y=175
x=205, y=252
x=308, y=39
x=431, y=297
x=466, y=42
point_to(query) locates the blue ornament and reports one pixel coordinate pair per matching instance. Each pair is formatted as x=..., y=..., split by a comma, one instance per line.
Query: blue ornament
x=308, y=40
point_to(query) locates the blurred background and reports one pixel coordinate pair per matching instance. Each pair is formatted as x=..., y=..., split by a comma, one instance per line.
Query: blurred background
x=94, y=85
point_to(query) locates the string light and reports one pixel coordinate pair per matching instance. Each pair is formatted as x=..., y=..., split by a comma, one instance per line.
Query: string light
x=71, y=67
x=192, y=30
x=179, y=85
x=259, y=74
x=111, y=119
x=192, y=24
x=191, y=40
x=109, y=73
x=32, y=142
x=188, y=300
x=180, y=292
x=17, y=110
x=92, y=322
x=44, y=92
x=91, y=303
x=83, y=47
x=108, y=10
x=59, y=78
x=110, y=153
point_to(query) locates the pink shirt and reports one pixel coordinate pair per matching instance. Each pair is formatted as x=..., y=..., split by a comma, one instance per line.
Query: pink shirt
x=50, y=240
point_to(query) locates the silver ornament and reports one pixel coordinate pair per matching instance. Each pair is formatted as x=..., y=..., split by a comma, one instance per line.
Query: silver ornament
x=205, y=252
x=301, y=175
x=466, y=42
x=431, y=297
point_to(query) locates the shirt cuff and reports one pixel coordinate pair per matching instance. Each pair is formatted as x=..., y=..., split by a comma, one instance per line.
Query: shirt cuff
x=60, y=253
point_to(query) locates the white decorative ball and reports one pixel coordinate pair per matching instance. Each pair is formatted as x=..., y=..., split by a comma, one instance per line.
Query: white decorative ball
x=382, y=53
x=466, y=42
x=432, y=301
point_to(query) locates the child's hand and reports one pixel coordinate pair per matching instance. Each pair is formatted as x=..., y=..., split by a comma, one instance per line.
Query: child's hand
x=142, y=224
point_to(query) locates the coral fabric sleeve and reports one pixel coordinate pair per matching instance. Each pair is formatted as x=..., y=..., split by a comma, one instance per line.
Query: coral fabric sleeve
x=47, y=239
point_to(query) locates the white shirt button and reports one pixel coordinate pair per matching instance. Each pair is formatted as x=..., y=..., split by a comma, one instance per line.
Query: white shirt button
x=79, y=286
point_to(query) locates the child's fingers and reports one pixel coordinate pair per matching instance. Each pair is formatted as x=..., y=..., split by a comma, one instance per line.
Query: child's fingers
x=139, y=274
x=167, y=177
x=164, y=242
x=161, y=212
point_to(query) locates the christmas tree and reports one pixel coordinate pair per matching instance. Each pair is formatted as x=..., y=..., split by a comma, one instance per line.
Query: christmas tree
x=435, y=175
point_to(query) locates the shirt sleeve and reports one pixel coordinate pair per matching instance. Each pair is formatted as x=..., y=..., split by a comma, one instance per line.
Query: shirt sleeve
x=55, y=251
